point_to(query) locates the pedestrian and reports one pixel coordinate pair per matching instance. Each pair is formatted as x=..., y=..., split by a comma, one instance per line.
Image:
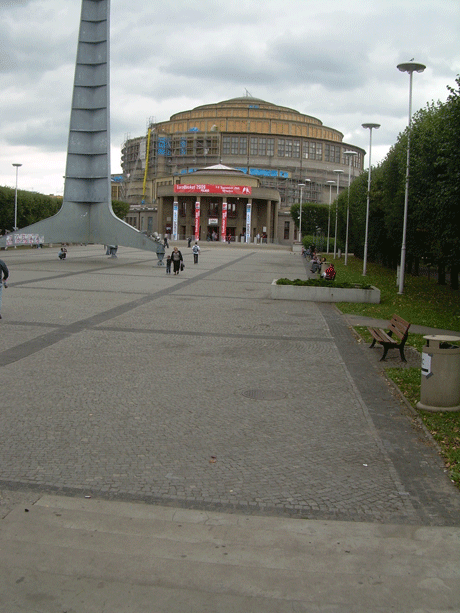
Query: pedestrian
x=165, y=242
x=196, y=252
x=177, y=259
x=329, y=273
x=4, y=274
x=62, y=253
x=189, y=241
x=315, y=264
x=168, y=265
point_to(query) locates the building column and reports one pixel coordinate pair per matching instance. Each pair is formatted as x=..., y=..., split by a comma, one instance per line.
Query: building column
x=160, y=221
x=275, y=220
x=268, y=221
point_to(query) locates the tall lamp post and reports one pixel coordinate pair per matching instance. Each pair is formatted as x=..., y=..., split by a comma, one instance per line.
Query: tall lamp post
x=370, y=127
x=330, y=183
x=339, y=172
x=349, y=154
x=17, y=166
x=301, y=185
x=409, y=67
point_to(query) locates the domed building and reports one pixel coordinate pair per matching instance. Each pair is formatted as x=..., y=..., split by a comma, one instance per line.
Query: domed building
x=275, y=146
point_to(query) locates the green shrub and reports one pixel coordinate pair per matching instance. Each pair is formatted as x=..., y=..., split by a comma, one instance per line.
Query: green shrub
x=322, y=283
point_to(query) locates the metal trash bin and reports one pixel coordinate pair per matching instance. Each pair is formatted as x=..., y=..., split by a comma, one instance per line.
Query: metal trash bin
x=440, y=389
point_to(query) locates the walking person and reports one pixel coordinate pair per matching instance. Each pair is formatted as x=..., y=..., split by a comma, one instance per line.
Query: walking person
x=168, y=265
x=177, y=259
x=196, y=252
x=4, y=274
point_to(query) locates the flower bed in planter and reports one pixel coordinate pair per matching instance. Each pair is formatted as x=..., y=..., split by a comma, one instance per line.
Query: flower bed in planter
x=323, y=291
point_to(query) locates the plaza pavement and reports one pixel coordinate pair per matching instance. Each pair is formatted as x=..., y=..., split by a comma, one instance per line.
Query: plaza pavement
x=188, y=444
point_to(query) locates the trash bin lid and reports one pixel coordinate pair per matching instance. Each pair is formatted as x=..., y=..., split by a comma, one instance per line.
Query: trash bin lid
x=443, y=341
x=442, y=338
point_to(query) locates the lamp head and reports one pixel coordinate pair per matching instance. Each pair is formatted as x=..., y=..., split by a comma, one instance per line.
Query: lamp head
x=330, y=182
x=376, y=126
x=411, y=67
x=338, y=171
x=17, y=165
x=301, y=185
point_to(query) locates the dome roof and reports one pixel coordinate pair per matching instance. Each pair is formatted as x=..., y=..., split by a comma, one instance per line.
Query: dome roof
x=219, y=169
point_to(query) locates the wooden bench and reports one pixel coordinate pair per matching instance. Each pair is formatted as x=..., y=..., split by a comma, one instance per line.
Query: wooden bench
x=397, y=327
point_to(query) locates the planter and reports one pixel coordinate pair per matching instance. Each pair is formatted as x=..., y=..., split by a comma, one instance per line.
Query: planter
x=324, y=294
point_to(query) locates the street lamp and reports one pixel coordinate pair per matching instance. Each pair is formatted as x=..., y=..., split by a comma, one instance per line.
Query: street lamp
x=349, y=154
x=339, y=172
x=301, y=185
x=369, y=126
x=330, y=183
x=409, y=67
x=17, y=166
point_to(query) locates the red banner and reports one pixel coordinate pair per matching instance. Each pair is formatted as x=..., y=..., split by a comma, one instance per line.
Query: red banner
x=197, y=221
x=224, y=221
x=230, y=190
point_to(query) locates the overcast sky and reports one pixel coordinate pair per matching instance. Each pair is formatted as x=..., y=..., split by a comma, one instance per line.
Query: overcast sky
x=333, y=59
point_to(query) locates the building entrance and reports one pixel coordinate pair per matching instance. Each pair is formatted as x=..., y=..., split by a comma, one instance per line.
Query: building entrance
x=212, y=233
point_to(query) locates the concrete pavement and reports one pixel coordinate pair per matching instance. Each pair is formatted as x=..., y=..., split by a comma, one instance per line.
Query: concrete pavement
x=261, y=426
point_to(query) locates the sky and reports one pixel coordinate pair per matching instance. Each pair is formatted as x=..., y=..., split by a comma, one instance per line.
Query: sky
x=331, y=59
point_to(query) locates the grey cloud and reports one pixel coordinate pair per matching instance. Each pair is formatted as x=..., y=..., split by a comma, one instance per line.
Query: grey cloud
x=48, y=132
x=11, y=4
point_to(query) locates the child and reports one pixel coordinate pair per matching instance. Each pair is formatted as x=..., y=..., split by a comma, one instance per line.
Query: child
x=168, y=265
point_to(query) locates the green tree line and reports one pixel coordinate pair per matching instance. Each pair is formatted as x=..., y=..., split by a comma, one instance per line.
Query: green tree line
x=433, y=224
x=33, y=207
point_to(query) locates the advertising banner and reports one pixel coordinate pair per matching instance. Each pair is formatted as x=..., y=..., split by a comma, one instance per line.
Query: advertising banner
x=24, y=239
x=197, y=221
x=175, y=218
x=230, y=190
x=224, y=221
x=248, y=222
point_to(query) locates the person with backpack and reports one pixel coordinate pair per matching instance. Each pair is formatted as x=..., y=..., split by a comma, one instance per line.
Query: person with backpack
x=196, y=252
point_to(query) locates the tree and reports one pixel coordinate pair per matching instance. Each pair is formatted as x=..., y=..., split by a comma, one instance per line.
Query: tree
x=31, y=207
x=314, y=216
x=120, y=208
x=433, y=223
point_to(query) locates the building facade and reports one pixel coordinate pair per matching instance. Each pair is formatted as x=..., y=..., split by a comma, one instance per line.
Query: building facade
x=276, y=145
x=218, y=203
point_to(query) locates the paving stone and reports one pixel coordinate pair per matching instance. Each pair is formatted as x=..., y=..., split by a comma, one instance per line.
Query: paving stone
x=124, y=384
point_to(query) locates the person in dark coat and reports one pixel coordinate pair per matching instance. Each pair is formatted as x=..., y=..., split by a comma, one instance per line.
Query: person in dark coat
x=4, y=274
x=176, y=259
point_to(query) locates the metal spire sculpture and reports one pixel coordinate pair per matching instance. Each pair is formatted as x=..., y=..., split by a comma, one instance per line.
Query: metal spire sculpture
x=86, y=215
